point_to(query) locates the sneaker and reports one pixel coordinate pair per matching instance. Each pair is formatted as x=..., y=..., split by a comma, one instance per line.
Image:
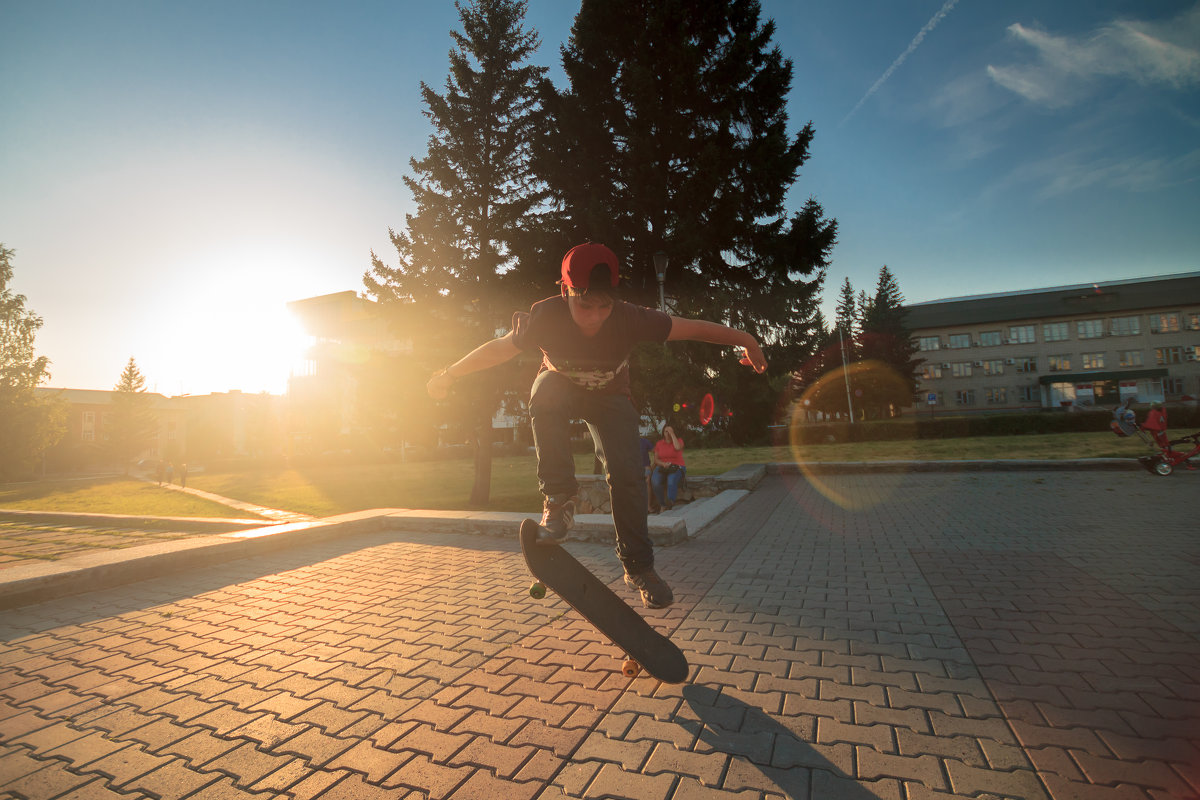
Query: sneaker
x=654, y=590
x=558, y=517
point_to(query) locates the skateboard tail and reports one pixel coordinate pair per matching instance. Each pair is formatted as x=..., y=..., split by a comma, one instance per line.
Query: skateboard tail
x=596, y=602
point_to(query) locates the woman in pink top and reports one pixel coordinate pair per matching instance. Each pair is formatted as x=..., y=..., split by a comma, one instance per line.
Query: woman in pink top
x=668, y=467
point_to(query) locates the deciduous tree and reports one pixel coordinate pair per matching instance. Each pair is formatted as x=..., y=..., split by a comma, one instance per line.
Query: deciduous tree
x=28, y=423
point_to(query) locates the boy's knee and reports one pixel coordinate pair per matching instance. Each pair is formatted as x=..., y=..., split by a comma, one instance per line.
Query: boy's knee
x=550, y=394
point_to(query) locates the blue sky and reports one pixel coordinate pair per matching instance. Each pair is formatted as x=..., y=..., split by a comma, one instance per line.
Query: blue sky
x=173, y=173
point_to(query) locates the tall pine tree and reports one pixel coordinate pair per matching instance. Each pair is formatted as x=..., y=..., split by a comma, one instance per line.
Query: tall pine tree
x=673, y=135
x=475, y=196
x=886, y=339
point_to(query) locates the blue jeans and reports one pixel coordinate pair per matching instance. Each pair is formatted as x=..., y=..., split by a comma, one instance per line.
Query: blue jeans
x=672, y=480
x=553, y=402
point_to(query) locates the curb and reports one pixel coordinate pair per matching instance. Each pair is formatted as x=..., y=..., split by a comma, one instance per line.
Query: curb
x=995, y=465
x=34, y=582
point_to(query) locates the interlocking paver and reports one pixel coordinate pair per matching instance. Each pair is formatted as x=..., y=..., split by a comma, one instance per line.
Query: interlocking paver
x=858, y=636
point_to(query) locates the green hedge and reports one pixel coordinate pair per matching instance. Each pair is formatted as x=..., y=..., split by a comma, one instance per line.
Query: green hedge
x=1181, y=420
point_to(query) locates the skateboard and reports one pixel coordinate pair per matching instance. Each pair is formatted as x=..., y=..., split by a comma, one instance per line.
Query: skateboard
x=645, y=648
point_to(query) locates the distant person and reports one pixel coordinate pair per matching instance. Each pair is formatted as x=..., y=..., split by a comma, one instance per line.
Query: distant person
x=648, y=467
x=170, y=474
x=670, y=468
x=183, y=476
x=162, y=471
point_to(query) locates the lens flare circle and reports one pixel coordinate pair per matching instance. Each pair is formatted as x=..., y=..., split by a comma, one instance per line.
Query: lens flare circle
x=827, y=396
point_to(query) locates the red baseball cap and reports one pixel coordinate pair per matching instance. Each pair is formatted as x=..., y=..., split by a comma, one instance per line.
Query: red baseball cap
x=589, y=268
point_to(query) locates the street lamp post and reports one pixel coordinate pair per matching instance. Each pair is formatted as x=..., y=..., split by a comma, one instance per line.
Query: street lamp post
x=660, y=269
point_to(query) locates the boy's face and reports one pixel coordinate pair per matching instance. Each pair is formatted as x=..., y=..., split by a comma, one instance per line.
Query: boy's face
x=590, y=313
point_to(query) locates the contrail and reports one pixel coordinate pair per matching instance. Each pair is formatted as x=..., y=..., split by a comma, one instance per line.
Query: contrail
x=945, y=9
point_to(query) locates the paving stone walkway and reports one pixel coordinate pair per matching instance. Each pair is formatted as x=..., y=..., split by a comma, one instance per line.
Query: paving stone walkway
x=1015, y=635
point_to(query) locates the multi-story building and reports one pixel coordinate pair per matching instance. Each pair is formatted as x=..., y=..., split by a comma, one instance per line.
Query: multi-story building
x=89, y=417
x=1067, y=346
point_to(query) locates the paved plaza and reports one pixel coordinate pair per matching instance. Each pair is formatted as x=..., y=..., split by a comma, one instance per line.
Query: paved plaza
x=904, y=637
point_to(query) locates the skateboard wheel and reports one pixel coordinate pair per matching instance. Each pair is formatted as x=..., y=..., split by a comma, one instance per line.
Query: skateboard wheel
x=537, y=590
x=631, y=668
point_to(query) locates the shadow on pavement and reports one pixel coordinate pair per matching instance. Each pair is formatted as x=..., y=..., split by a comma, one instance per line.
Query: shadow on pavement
x=749, y=734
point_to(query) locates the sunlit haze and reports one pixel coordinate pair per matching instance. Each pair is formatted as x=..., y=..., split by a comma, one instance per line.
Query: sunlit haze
x=175, y=173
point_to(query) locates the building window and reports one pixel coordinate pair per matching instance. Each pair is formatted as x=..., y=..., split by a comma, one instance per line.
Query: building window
x=960, y=340
x=990, y=339
x=927, y=343
x=1168, y=355
x=1093, y=360
x=1089, y=328
x=1192, y=353
x=1193, y=321
x=1172, y=385
x=1026, y=364
x=931, y=371
x=1129, y=358
x=961, y=369
x=964, y=397
x=1060, y=363
x=993, y=367
x=1126, y=326
x=1028, y=394
x=996, y=396
x=1056, y=332
x=1167, y=322
x=1020, y=334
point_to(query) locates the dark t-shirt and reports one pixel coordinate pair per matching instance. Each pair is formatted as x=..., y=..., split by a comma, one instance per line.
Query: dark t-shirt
x=599, y=363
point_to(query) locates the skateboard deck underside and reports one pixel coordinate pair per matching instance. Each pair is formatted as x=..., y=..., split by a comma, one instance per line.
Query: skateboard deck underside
x=599, y=605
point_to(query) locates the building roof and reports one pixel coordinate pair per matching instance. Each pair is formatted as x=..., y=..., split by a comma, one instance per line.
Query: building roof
x=1106, y=298
x=97, y=397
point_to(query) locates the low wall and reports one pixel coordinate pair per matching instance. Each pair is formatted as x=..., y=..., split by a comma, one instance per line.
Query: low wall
x=594, y=499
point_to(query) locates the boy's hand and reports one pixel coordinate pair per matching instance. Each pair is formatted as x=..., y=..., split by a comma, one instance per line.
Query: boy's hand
x=752, y=356
x=439, y=385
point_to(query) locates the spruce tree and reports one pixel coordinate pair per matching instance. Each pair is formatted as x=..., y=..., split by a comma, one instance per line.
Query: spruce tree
x=475, y=200
x=886, y=339
x=673, y=135
x=29, y=424
x=133, y=424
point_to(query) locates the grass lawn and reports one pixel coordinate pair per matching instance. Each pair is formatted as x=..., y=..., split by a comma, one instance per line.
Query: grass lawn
x=323, y=491
x=108, y=496
x=1045, y=447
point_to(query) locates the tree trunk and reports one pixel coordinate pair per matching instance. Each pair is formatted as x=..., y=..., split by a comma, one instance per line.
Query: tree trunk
x=482, y=490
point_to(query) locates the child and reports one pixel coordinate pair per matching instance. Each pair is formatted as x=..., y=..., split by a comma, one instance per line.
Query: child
x=585, y=335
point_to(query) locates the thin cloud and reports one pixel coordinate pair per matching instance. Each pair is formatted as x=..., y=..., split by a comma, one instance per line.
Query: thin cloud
x=1088, y=169
x=912, y=46
x=1066, y=69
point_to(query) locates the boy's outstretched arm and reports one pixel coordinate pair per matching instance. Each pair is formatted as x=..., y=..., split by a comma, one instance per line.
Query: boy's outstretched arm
x=698, y=330
x=488, y=354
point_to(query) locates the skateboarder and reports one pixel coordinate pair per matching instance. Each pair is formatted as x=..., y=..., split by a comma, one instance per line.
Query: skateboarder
x=585, y=335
